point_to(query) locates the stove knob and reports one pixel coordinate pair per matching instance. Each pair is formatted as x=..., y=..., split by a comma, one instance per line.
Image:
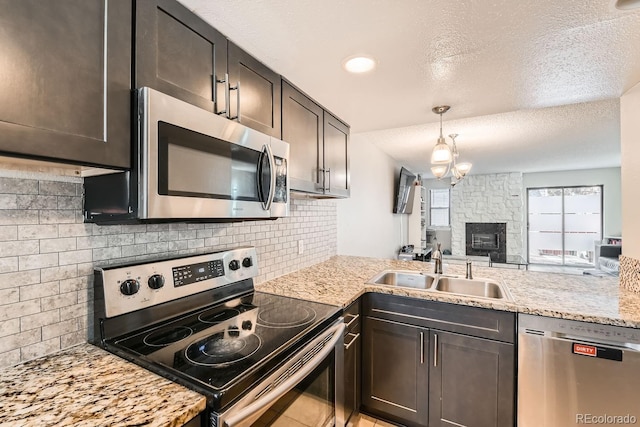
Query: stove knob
x=247, y=325
x=156, y=281
x=247, y=262
x=129, y=287
x=234, y=265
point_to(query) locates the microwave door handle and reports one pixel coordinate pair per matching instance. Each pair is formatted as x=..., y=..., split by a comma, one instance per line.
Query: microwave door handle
x=266, y=150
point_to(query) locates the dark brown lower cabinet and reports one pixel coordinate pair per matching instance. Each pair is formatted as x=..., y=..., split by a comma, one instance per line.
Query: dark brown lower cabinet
x=471, y=381
x=421, y=368
x=395, y=371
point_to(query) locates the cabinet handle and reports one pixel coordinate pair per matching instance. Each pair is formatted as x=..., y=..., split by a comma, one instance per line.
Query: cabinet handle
x=354, y=318
x=237, y=89
x=227, y=95
x=435, y=349
x=354, y=339
x=320, y=185
x=421, y=348
x=328, y=172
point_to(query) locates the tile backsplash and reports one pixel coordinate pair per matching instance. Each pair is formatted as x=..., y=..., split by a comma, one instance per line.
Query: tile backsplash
x=47, y=255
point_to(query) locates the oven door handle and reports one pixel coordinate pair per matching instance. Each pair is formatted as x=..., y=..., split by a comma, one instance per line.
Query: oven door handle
x=264, y=401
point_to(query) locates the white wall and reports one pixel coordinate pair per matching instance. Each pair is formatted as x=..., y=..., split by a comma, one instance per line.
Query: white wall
x=367, y=225
x=630, y=143
x=609, y=178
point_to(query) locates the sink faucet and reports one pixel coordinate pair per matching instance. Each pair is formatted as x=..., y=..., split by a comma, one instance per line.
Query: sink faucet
x=469, y=273
x=437, y=258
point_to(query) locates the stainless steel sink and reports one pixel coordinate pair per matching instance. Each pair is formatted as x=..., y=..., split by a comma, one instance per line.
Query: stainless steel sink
x=479, y=288
x=405, y=279
x=474, y=287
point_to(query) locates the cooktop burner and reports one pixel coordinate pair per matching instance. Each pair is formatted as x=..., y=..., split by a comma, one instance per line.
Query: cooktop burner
x=219, y=350
x=165, y=336
x=277, y=317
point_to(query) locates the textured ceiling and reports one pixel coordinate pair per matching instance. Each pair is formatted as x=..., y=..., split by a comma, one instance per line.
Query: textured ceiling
x=483, y=57
x=578, y=136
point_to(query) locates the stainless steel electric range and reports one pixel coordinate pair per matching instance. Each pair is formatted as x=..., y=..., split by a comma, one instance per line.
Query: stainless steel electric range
x=260, y=359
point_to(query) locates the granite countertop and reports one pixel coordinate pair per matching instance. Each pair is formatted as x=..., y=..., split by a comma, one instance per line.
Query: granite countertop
x=86, y=386
x=342, y=279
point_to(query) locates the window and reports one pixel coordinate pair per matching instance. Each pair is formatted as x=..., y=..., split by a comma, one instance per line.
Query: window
x=564, y=223
x=439, y=207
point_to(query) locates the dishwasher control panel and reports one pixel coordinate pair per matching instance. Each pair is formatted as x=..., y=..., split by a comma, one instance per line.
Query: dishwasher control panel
x=573, y=329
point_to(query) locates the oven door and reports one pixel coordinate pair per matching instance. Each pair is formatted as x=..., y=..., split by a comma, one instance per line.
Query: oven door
x=307, y=389
x=196, y=164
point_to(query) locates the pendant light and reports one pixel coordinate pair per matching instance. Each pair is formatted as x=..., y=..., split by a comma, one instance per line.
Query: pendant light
x=441, y=154
x=445, y=158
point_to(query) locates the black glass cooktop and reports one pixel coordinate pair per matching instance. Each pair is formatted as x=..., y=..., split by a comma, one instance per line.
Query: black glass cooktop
x=223, y=344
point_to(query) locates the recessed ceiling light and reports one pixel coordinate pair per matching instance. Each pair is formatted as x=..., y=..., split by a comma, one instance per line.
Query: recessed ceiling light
x=359, y=64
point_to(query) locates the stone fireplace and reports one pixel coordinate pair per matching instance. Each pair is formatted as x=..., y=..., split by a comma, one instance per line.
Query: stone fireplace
x=487, y=239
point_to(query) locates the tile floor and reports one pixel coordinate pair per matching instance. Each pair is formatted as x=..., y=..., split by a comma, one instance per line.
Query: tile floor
x=362, y=420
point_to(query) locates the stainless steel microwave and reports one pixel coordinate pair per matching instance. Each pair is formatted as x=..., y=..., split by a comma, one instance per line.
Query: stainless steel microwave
x=189, y=164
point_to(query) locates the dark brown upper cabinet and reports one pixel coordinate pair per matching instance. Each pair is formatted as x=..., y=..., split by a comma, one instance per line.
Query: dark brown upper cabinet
x=303, y=129
x=256, y=102
x=319, y=146
x=336, y=156
x=179, y=54
x=65, y=91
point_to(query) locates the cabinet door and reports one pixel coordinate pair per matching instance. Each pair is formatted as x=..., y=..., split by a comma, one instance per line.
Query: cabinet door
x=256, y=101
x=179, y=54
x=395, y=371
x=336, y=156
x=471, y=381
x=303, y=129
x=66, y=80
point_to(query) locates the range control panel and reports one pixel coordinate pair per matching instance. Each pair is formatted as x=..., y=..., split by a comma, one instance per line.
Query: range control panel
x=134, y=286
x=187, y=274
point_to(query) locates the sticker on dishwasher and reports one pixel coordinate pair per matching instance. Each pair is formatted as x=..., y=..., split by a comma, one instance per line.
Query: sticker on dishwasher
x=599, y=352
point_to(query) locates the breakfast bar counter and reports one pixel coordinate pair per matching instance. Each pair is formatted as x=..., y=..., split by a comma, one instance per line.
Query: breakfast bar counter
x=342, y=279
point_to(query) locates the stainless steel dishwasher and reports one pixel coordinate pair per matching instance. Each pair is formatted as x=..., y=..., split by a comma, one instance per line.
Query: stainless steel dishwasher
x=575, y=373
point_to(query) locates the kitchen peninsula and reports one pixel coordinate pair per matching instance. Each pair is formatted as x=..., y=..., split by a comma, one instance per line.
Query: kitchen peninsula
x=81, y=380
x=342, y=279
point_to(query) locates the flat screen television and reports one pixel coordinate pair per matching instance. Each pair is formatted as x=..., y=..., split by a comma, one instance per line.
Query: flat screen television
x=405, y=190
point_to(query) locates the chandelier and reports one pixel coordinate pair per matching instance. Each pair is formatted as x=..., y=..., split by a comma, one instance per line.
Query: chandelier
x=445, y=158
